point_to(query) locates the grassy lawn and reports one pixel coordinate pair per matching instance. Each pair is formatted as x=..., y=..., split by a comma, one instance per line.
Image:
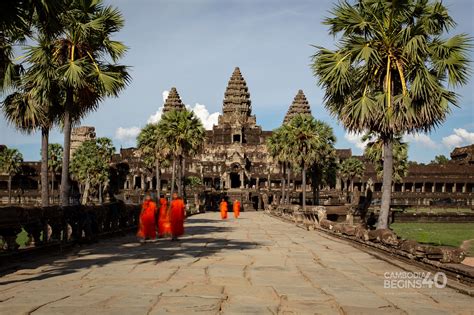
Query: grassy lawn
x=452, y=234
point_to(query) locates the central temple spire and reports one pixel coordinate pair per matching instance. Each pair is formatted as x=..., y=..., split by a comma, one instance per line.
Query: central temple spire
x=173, y=101
x=237, y=105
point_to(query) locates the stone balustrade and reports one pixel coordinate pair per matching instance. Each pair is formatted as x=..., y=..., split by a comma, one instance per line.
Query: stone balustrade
x=63, y=225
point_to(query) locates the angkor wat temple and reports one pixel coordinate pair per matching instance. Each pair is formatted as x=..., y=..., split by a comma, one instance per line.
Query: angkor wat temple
x=235, y=163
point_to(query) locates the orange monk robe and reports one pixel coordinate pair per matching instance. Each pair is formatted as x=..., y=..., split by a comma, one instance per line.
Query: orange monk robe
x=224, y=209
x=164, y=226
x=177, y=212
x=147, y=220
x=236, y=209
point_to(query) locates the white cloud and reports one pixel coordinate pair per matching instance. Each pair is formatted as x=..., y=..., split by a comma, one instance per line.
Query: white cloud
x=422, y=139
x=356, y=139
x=460, y=137
x=153, y=119
x=127, y=134
x=208, y=120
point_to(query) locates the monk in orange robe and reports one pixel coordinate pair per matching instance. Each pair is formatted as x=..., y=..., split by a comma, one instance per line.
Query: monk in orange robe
x=224, y=208
x=146, y=227
x=236, y=209
x=177, y=213
x=164, y=225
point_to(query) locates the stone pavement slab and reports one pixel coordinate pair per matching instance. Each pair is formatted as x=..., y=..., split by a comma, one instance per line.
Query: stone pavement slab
x=253, y=265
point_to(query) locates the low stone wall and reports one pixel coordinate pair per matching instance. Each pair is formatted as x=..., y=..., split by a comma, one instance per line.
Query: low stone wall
x=63, y=225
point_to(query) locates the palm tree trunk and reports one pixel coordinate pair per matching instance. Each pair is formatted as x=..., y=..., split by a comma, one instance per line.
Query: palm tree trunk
x=66, y=153
x=304, y=186
x=283, y=183
x=183, y=178
x=85, y=196
x=173, y=177
x=52, y=187
x=386, y=184
x=9, y=189
x=158, y=180
x=44, y=167
x=179, y=181
x=288, y=186
x=100, y=193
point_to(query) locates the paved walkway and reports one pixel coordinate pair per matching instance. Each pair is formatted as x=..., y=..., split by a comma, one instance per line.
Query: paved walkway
x=256, y=265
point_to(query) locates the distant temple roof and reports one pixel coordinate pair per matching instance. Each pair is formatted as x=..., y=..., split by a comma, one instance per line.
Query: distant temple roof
x=463, y=155
x=300, y=105
x=173, y=101
x=237, y=97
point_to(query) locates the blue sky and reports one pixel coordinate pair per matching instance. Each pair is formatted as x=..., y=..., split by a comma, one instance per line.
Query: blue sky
x=195, y=45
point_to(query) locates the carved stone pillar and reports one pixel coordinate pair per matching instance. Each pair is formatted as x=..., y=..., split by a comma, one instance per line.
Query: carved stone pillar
x=338, y=183
x=433, y=188
x=423, y=187
x=443, y=188
x=258, y=183
x=464, y=187
x=242, y=179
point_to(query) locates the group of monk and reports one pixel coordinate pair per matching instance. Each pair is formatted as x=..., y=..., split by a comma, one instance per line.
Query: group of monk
x=224, y=207
x=170, y=219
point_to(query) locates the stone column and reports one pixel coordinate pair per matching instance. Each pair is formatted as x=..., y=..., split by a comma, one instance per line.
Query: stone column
x=433, y=188
x=143, y=182
x=464, y=187
x=454, y=187
x=413, y=187
x=443, y=188
x=241, y=179
x=258, y=183
x=393, y=187
x=403, y=187
x=338, y=184
x=423, y=187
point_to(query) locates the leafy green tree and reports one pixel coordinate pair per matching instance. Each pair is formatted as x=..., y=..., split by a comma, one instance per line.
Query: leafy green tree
x=280, y=151
x=374, y=153
x=154, y=150
x=90, y=166
x=55, y=151
x=392, y=71
x=351, y=168
x=440, y=159
x=85, y=64
x=304, y=140
x=183, y=134
x=10, y=164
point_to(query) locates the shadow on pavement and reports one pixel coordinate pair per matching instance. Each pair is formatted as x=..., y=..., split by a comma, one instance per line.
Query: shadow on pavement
x=203, y=238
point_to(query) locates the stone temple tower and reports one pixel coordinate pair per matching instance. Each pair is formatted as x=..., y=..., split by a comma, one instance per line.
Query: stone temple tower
x=173, y=101
x=300, y=105
x=237, y=107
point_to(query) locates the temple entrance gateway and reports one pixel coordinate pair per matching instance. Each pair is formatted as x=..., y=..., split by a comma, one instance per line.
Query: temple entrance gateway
x=235, y=180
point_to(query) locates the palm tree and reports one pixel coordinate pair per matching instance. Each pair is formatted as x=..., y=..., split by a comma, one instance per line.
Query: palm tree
x=304, y=141
x=154, y=150
x=278, y=148
x=10, y=164
x=351, y=168
x=83, y=51
x=373, y=152
x=184, y=134
x=55, y=151
x=391, y=71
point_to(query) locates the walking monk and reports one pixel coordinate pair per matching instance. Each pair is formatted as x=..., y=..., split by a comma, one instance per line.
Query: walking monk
x=177, y=213
x=146, y=227
x=164, y=225
x=236, y=208
x=224, y=209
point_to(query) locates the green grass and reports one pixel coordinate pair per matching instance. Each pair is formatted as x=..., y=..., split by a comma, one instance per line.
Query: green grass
x=437, y=210
x=451, y=234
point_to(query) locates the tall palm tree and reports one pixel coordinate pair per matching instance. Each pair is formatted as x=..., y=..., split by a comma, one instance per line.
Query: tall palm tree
x=351, y=168
x=10, y=164
x=278, y=148
x=392, y=71
x=55, y=152
x=86, y=65
x=184, y=134
x=154, y=150
x=304, y=140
